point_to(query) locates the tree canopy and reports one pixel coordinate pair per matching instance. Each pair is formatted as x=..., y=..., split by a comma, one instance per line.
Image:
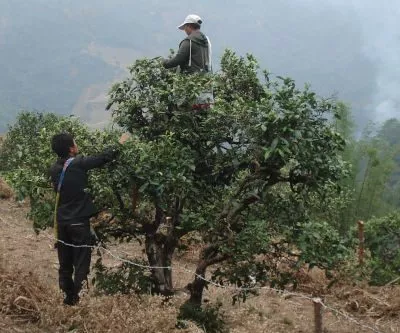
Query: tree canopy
x=262, y=177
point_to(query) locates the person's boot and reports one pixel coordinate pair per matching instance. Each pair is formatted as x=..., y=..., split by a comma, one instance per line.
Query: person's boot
x=71, y=299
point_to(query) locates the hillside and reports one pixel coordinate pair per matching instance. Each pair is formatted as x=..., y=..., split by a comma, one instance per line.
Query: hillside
x=30, y=300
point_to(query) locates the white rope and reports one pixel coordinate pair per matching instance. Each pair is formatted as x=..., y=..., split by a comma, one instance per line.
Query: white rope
x=209, y=54
x=218, y=285
x=229, y=287
x=190, y=53
x=346, y=316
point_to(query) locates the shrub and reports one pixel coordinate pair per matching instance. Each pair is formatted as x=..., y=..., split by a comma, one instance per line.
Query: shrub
x=209, y=318
x=382, y=238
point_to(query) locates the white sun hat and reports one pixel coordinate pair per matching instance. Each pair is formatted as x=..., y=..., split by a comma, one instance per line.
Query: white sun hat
x=192, y=18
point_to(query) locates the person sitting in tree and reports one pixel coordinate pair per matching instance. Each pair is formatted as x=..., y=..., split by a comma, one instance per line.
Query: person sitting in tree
x=194, y=54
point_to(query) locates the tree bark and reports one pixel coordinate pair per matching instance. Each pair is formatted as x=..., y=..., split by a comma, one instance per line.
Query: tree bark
x=161, y=242
x=196, y=288
x=135, y=197
x=160, y=257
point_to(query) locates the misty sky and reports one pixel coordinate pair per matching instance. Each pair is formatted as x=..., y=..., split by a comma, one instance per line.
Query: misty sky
x=349, y=48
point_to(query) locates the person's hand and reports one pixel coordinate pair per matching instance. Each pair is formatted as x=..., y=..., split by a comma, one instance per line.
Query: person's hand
x=124, y=137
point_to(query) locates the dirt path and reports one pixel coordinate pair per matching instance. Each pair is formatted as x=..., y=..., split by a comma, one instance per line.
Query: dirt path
x=24, y=251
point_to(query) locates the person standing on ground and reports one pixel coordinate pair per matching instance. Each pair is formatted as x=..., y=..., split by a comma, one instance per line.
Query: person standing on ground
x=75, y=208
x=194, y=54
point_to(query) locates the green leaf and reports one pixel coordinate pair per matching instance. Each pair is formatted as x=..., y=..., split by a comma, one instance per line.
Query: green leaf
x=274, y=144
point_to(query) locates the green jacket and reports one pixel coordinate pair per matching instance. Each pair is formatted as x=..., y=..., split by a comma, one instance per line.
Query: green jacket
x=193, y=54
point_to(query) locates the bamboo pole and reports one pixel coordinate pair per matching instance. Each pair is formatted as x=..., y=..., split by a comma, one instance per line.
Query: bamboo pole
x=361, y=238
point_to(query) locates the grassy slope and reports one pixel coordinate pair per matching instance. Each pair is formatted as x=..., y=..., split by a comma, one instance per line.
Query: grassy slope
x=28, y=291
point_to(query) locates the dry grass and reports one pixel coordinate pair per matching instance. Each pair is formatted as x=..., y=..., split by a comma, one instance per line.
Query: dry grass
x=381, y=303
x=30, y=300
x=25, y=303
x=5, y=190
x=21, y=297
x=29, y=306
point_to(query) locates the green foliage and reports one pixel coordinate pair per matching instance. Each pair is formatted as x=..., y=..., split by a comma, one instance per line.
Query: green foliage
x=321, y=245
x=209, y=318
x=382, y=238
x=245, y=174
x=21, y=139
x=390, y=131
x=124, y=279
x=333, y=207
x=250, y=167
x=378, y=165
x=371, y=188
x=26, y=157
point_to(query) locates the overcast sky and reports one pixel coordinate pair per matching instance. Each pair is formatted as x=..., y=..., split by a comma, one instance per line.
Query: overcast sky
x=379, y=26
x=381, y=44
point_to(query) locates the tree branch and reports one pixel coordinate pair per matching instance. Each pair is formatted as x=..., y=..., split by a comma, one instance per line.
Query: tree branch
x=218, y=259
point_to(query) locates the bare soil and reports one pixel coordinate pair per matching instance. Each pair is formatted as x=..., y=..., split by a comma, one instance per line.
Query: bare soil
x=31, y=302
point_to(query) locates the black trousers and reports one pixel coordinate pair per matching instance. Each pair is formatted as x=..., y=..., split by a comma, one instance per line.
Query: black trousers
x=74, y=261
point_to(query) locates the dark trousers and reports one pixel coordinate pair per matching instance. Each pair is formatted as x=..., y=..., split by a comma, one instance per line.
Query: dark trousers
x=73, y=260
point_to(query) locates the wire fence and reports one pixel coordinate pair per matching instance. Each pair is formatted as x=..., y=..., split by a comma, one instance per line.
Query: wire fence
x=316, y=301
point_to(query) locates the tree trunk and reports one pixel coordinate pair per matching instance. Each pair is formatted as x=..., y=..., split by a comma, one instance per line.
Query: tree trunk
x=362, y=187
x=196, y=288
x=161, y=242
x=160, y=257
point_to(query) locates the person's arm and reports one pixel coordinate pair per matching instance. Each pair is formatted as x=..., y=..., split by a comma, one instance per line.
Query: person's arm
x=97, y=161
x=181, y=58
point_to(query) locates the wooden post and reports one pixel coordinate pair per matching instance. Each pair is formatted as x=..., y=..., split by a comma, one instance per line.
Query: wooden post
x=318, y=315
x=361, y=242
